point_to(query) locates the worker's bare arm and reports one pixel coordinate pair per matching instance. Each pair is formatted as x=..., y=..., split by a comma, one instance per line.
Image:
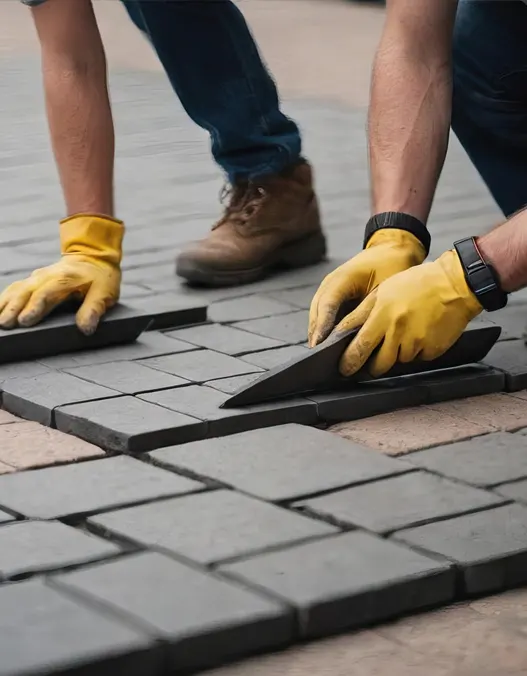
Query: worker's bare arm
x=79, y=113
x=411, y=102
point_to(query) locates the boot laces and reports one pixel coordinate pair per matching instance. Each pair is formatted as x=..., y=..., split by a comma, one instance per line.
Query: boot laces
x=241, y=202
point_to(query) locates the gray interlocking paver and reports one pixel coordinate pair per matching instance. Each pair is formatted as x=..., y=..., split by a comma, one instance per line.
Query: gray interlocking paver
x=511, y=358
x=5, y=517
x=514, y=490
x=128, y=424
x=204, y=619
x=484, y=461
x=247, y=307
x=232, y=385
x=212, y=526
x=348, y=580
x=34, y=546
x=283, y=462
x=400, y=502
x=127, y=377
x=490, y=547
x=300, y=298
x=201, y=365
x=269, y=359
x=467, y=381
x=290, y=329
x=151, y=344
x=36, y=398
x=23, y=369
x=43, y=631
x=88, y=487
x=225, y=339
x=204, y=403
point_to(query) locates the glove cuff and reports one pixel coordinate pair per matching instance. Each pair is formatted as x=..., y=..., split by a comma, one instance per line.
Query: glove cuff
x=401, y=239
x=92, y=235
x=452, y=266
x=398, y=221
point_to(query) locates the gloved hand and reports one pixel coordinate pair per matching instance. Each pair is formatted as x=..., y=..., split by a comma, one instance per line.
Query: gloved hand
x=388, y=252
x=416, y=314
x=89, y=269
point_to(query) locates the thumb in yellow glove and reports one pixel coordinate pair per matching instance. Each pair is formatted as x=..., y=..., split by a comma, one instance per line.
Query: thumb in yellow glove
x=417, y=314
x=388, y=252
x=89, y=270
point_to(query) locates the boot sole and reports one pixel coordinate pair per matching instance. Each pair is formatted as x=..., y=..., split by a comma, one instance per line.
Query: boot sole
x=298, y=254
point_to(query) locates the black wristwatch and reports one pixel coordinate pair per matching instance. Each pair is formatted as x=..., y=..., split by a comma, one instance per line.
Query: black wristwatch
x=480, y=275
x=396, y=220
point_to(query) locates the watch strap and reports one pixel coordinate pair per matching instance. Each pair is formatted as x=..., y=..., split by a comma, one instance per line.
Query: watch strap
x=398, y=221
x=480, y=275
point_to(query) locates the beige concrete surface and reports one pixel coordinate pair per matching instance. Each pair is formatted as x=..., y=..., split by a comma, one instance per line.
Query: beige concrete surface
x=315, y=48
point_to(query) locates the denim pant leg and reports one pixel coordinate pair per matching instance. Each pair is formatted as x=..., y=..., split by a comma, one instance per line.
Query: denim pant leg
x=490, y=95
x=215, y=68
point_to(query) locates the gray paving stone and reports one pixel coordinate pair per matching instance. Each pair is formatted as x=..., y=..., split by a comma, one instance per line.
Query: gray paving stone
x=489, y=547
x=204, y=619
x=367, y=399
x=511, y=358
x=212, y=526
x=88, y=487
x=225, y=339
x=484, y=461
x=516, y=490
x=171, y=310
x=279, y=357
x=349, y=580
x=290, y=329
x=204, y=403
x=59, y=333
x=12, y=261
x=247, y=307
x=232, y=385
x=127, y=377
x=300, y=298
x=36, y=398
x=35, y=546
x=282, y=463
x=128, y=424
x=400, y=502
x=151, y=344
x=43, y=631
x=22, y=369
x=201, y=365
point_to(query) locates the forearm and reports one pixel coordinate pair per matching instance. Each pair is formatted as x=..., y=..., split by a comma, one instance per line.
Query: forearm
x=505, y=248
x=410, y=109
x=79, y=113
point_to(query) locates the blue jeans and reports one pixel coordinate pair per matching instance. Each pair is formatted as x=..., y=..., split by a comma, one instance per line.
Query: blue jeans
x=490, y=95
x=214, y=66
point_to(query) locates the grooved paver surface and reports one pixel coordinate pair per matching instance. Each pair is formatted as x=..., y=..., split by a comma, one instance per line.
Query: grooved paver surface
x=204, y=619
x=400, y=502
x=33, y=546
x=211, y=526
x=332, y=582
x=281, y=463
x=88, y=487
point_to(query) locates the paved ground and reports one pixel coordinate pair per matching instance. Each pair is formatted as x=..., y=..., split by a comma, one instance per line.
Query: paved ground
x=167, y=192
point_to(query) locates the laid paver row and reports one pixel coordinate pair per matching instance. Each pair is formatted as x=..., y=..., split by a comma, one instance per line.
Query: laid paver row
x=277, y=575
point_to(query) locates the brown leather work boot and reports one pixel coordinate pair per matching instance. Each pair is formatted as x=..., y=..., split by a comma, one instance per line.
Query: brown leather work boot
x=270, y=223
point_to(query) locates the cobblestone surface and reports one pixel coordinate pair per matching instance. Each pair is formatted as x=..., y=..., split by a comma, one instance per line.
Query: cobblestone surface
x=198, y=553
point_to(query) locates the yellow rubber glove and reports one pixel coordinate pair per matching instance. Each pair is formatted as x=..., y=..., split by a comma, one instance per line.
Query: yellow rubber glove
x=417, y=314
x=388, y=252
x=89, y=269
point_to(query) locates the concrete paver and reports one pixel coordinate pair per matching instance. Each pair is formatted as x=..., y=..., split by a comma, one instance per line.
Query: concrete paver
x=167, y=182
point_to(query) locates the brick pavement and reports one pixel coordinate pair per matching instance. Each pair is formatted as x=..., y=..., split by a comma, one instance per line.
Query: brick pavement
x=224, y=527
